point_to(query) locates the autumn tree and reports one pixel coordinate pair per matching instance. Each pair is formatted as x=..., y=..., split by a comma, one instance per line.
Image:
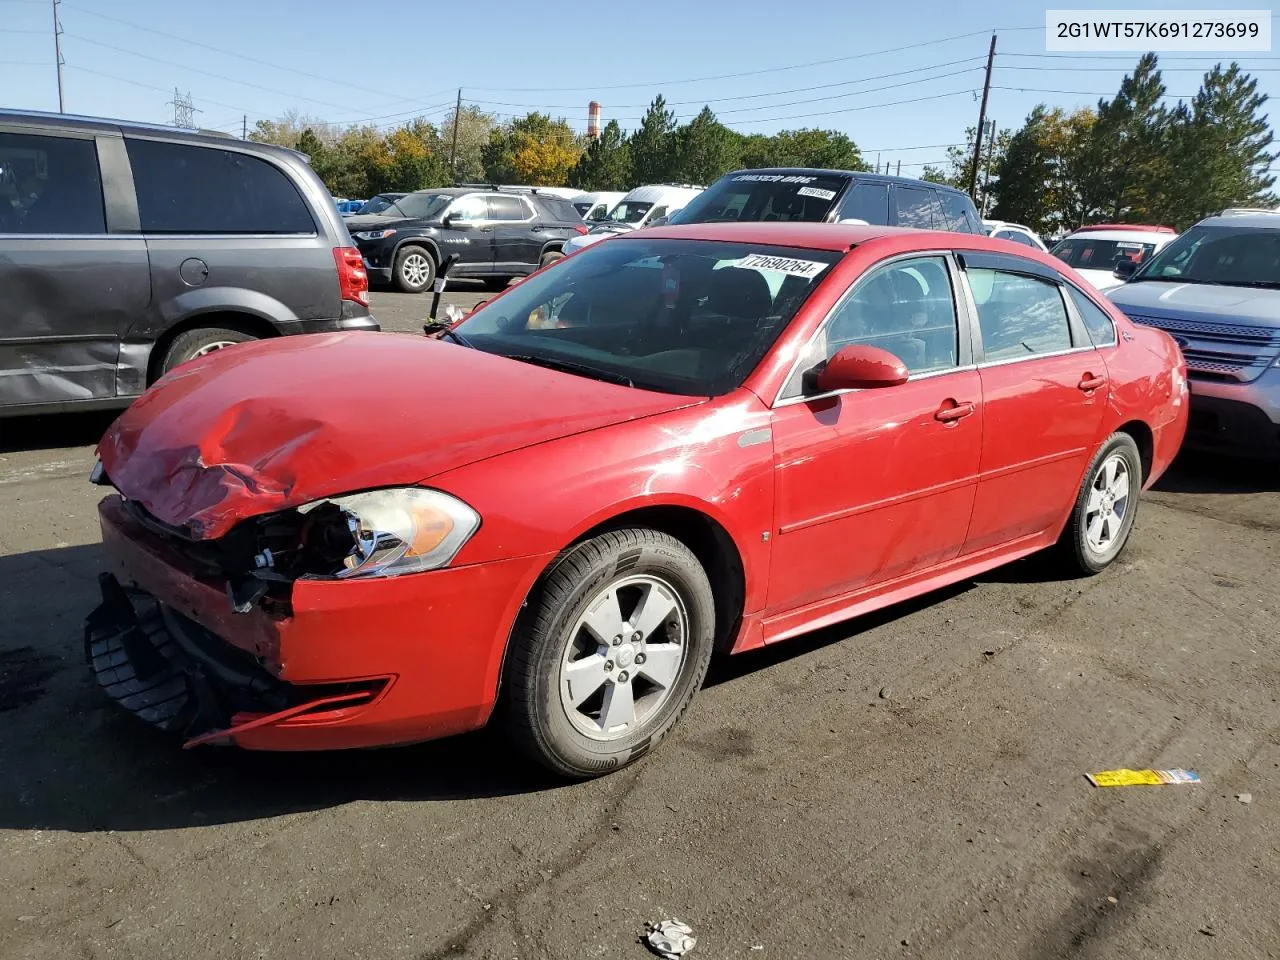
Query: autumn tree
x=474, y=129
x=533, y=149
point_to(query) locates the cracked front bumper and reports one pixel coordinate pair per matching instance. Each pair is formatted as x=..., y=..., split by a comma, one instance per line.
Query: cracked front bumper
x=353, y=663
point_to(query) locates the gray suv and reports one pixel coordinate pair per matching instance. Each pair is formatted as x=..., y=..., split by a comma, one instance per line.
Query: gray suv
x=1216, y=290
x=127, y=249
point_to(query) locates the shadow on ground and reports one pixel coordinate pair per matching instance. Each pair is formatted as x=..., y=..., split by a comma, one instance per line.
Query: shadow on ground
x=1194, y=472
x=54, y=431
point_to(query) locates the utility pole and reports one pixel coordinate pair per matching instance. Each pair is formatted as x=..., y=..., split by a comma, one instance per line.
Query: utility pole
x=898, y=173
x=57, y=49
x=244, y=128
x=986, y=178
x=453, y=150
x=877, y=163
x=982, y=119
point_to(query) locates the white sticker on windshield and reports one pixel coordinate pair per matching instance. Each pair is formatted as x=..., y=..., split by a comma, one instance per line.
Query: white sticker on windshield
x=816, y=192
x=774, y=178
x=787, y=265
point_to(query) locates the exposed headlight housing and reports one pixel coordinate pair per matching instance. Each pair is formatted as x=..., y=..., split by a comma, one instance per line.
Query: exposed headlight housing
x=373, y=234
x=401, y=530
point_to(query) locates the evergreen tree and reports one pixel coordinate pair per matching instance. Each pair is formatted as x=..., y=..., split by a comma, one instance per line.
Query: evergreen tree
x=1128, y=144
x=653, y=145
x=606, y=163
x=705, y=149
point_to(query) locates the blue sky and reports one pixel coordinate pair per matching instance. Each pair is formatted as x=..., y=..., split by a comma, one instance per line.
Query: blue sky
x=385, y=62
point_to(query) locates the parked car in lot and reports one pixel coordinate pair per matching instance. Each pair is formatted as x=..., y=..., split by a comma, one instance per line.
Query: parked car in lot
x=1216, y=289
x=1096, y=251
x=789, y=194
x=128, y=249
x=496, y=235
x=383, y=204
x=635, y=210
x=633, y=458
x=348, y=206
x=595, y=206
x=1014, y=232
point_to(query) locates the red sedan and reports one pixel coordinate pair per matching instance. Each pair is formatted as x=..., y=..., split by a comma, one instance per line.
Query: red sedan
x=687, y=440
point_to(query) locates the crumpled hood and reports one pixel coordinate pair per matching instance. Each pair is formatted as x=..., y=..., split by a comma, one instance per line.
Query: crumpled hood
x=1247, y=306
x=278, y=423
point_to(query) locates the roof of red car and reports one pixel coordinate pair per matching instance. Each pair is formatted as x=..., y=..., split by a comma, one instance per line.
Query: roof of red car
x=823, y=236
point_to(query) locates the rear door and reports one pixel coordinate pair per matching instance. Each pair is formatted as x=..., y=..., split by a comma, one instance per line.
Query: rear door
x=1045, y=391
x=227, y=229
x=72, y=278
x=517, y=234
x=866, y=200
x=916, y=207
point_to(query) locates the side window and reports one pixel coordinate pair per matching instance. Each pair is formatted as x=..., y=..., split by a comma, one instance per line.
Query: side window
x=49, y=185
x=1019, y=315
x=1101, y=330
x=916, y=208
x=469, y=208
x=866, y=201
x=958, y=213
x=906, y=308
x=506, y=208
x=1022, y=238
x=190, y=189
x=658, y=211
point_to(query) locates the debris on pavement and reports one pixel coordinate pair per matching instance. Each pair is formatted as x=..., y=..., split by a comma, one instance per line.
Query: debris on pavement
x=1245, y=797
x=669, y=938
x=1141, y=778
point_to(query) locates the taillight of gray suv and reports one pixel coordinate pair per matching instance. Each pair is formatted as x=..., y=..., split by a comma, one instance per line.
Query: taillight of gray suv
x=126, y=250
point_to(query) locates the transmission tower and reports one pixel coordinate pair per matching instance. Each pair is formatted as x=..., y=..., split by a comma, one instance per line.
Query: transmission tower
x=184, y=110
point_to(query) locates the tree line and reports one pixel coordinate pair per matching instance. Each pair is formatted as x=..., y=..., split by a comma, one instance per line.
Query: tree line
x=538, y=150
x=1132, y=158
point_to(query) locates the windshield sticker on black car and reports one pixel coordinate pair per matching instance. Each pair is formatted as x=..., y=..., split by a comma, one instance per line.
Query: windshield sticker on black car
x=774, y=178
x=816, y=192
x=787, y=265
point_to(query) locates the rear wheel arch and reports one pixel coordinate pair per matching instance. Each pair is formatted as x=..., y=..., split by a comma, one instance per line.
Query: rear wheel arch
x=1146, y=441
x=253, y=325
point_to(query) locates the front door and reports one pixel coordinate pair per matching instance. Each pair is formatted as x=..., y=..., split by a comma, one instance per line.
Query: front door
x=873, y=485
x=469, y=234
x=68, y=288
x=1044, y=386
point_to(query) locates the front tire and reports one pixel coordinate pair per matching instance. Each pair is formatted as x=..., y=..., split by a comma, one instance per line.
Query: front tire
x=616, y=643
x=414, y=271
x=1105, y=507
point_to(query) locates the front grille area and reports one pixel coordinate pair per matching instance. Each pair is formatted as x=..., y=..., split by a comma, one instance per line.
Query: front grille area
x=1221, y=351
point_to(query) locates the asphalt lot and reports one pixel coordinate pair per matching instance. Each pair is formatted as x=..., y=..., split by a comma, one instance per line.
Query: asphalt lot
x=908, y=785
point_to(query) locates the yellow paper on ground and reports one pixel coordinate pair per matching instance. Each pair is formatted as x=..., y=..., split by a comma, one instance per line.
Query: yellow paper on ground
x=1141, y=778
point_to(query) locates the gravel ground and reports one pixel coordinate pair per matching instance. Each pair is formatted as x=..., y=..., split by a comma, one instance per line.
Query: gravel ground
x=907, y=785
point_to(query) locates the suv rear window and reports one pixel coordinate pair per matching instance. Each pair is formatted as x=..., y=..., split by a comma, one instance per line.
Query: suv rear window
x=559, y=208
x=764, y=196
x=1098, y=253
x=184, y=188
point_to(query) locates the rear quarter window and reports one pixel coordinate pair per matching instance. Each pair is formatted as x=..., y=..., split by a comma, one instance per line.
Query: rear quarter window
x=1101, y=330
x=183, y=188
x=917, y=207
x=959, y=214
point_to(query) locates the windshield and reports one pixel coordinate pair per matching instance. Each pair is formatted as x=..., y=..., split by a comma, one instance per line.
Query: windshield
x=422, y=206
x=764, y=196
x=378, y=204
x=1100, y=253
x=628, y=211
x=1236, y=256
x=691, y=317
x=583, y=208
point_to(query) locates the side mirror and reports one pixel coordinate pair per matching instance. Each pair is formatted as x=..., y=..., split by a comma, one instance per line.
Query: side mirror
x=1125, y=269
x=861, y=368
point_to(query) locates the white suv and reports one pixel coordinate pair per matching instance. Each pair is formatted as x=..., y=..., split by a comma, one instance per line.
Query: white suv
x=1094, y=251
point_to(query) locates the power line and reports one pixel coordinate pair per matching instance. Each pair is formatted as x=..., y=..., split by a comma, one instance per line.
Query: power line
x=1116, y=69
x=207, y=73
x=249, y=59
x=151, y=86
x=752, y=73
x=742, y=96
x=1086, y=93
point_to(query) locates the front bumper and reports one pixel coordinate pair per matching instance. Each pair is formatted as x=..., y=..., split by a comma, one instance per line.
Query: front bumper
x=364, y=321
x=356, y=663
x=1241, y=419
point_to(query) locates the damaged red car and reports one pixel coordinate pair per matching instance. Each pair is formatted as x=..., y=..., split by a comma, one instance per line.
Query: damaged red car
x=688, y=440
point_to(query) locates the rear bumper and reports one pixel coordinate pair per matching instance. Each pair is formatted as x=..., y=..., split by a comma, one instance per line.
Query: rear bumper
x=345, y=664
x=1241, y=419
x=362, y=322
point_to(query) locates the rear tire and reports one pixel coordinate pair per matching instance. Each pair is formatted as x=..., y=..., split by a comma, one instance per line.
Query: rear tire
x=199, y=342
x=496, y=283
x=1105, y=508
x=606, y=660
x=414, y=270
x=550, y=257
